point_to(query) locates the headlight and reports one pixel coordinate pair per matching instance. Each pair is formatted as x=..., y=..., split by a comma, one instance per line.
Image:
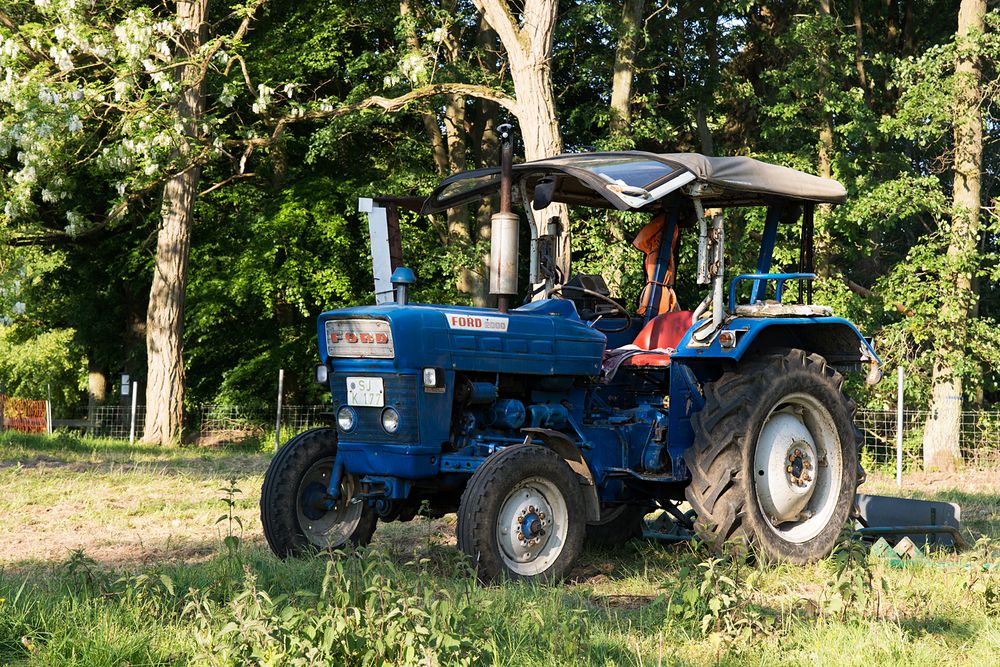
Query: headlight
x=390, y=420
x=346, y=418
x=322, y=373
x=430, y=377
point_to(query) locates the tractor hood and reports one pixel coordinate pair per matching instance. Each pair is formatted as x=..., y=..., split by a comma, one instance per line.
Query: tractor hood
x=636, y=180
x=541, y=338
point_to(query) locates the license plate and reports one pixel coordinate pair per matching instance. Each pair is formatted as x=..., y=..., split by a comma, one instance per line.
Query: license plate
x=365, y=392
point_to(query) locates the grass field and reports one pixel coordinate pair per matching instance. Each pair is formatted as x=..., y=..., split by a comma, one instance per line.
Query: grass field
x=111, y=555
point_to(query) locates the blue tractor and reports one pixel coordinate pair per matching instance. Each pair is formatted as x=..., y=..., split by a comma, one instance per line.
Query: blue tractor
x=573, y=416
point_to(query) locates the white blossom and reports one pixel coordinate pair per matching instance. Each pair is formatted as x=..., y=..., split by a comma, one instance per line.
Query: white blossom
x=74, y=124
x=19, y=308
x=413, y=67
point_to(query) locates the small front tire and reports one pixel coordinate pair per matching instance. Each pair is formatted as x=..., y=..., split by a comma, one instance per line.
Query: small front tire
x=522, y=516
x=292, y=510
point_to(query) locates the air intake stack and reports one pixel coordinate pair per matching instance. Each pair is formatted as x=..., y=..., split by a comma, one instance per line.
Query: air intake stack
x=504, y=232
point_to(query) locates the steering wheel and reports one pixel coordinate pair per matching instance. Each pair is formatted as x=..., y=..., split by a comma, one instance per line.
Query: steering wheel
x=558, y=289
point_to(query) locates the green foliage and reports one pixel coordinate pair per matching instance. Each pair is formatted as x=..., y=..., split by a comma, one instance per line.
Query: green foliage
x=30, y=362
x=87, y=134
x=856, y=582
x=360, y=616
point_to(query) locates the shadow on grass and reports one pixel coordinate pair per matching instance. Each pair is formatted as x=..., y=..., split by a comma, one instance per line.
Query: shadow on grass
x=74, y=454
x=71, y=443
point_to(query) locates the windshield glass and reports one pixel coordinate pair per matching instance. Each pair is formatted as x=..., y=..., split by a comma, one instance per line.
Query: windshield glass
x=462, y=186
x=625, y=169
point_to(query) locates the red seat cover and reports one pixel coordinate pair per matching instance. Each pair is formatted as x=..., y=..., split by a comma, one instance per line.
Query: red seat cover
x=662, y=331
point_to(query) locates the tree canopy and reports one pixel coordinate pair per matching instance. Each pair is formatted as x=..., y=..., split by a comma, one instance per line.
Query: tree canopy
x=309, y=105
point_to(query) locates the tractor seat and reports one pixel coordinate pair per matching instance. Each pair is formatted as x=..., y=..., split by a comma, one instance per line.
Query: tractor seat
x=654, y=345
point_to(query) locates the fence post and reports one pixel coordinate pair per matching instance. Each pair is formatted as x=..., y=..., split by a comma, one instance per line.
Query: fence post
x=131, y=425
x=48, y=409
x=3, y=401
x=277, y=421
x=899, y=427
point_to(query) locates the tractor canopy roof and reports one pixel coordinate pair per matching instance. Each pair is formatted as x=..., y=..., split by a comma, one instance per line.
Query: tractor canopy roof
x=633, y=180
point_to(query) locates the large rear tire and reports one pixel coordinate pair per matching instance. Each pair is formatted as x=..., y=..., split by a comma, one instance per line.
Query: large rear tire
x=774, y=463
x=292, y=510
x=522, y=516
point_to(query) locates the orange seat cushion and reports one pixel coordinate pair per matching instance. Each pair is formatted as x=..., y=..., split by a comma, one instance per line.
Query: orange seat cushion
x=662, y=331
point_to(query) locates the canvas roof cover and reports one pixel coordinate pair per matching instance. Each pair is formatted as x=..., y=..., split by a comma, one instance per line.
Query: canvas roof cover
x=635, y=180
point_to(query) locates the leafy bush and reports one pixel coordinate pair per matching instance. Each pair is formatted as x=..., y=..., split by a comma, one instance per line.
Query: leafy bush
x=364, y=614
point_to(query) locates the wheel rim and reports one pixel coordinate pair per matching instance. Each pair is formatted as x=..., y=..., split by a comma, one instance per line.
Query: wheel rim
x=323, y=527
x=798, y=468
x=532, y=526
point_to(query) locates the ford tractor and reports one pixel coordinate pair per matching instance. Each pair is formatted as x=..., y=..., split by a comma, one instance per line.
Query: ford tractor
x=571, y=417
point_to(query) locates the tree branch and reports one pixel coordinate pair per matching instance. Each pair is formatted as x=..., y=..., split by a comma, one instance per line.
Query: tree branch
x=8, y=23
x=387, y=104
x=226, y=181
x=498, y=15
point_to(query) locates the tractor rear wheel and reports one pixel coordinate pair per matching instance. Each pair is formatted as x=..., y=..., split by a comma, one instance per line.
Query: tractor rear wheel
x=294, y=508
x=617, y=525
x=774, y=463
x=522, y=515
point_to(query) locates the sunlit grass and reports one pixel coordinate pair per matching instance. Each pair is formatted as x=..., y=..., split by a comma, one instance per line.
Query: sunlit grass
x=112, y=555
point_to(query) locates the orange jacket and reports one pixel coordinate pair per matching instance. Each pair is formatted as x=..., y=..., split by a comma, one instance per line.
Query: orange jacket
x=648, y=241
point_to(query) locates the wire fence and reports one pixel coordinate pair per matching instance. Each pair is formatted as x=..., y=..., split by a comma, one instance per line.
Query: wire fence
x=979, y=436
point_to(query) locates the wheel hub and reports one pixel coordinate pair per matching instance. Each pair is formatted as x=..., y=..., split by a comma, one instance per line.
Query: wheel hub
x=315, y=501
x=327, y=524
x=800, y=468
x=526, y=530
x=784, y=467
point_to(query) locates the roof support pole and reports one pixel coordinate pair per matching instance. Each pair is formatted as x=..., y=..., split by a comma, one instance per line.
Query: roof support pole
x=714, y=266
x=806, y=261
x=766, y=252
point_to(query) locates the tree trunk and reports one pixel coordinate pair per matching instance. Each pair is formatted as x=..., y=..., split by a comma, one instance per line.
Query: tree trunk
x=859, y=47
x=97, y=390
x=624, y=72
x=709, y=78
x=449, y=149
x=165, y=315
x=941, y=435
x=485, y=144
x=529, y=53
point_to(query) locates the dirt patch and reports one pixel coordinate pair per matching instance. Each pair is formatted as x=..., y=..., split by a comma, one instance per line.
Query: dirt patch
x=215, y=439
x=966, y=481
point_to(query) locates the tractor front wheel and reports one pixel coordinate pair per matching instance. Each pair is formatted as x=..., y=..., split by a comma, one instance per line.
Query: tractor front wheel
x=774, y=463
x=297, y=514
x=522, y=515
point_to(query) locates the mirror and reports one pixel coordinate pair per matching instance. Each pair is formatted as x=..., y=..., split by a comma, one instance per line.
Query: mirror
x=545, y=190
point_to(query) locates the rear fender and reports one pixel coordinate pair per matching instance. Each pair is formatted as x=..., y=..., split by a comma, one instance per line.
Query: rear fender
x=837, y=339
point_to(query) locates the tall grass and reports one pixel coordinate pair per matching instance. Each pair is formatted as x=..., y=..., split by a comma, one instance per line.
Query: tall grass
x=419, y=604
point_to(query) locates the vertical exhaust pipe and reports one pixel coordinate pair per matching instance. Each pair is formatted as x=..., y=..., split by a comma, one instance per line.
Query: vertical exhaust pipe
x=503, y=242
